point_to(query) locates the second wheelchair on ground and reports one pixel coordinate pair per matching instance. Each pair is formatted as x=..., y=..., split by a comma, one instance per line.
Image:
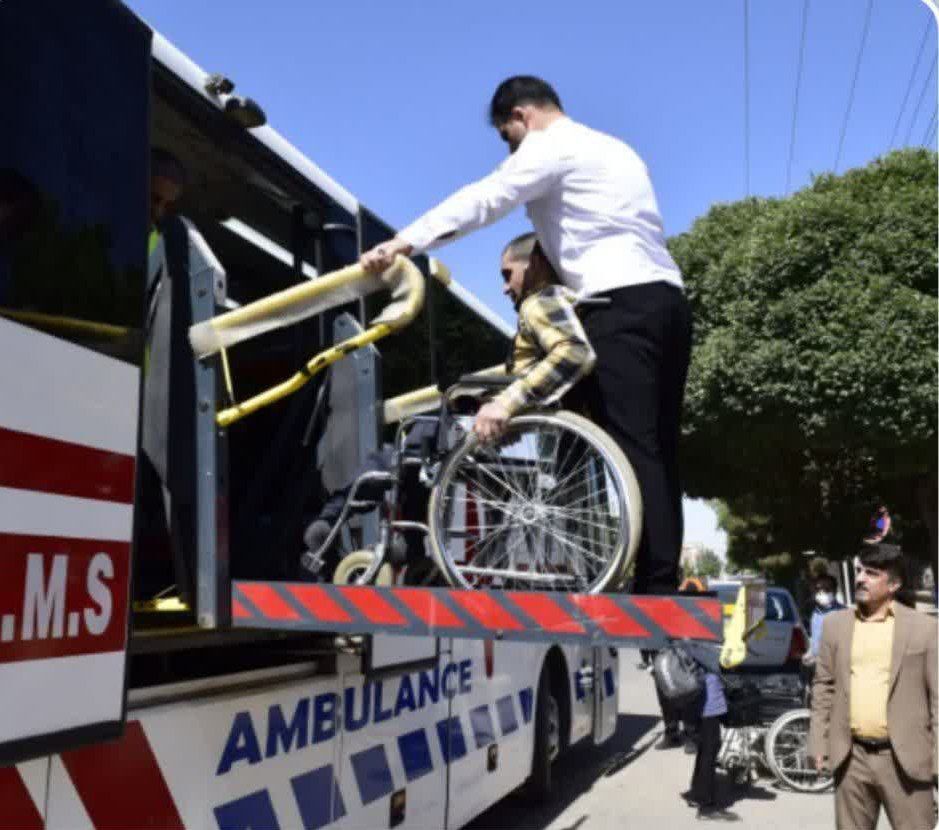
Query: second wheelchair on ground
x=768, y=732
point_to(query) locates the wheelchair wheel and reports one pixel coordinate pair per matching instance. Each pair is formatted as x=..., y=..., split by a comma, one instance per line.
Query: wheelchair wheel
x=787, y=753
x=553, y=505
x=357, y=568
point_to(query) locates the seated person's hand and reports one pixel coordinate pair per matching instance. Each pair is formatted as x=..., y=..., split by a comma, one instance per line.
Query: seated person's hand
x=491, y=421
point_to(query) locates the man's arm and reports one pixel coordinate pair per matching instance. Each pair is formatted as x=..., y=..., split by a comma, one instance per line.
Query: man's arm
x=522, y=177
x=823, y=692
x=568, y=356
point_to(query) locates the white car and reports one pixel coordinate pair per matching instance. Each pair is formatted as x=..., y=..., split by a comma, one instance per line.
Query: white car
x=779, y=644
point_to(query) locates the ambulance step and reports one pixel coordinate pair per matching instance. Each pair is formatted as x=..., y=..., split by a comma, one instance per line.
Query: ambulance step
x=609, y=619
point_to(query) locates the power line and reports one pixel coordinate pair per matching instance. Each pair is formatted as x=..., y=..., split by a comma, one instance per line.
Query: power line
x=909, y=86
x=746, y=93
x=857, y=70
x=930, y=126
x=922, y=94
x=795, y=105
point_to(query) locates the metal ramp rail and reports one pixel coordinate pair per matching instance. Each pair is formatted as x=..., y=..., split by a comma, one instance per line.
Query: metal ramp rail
x=597, y=619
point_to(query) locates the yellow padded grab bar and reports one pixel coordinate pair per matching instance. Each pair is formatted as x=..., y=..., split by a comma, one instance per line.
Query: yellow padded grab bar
x=403, y=278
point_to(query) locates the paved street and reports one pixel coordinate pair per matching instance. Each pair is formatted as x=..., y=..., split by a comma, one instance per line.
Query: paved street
x=629, y=783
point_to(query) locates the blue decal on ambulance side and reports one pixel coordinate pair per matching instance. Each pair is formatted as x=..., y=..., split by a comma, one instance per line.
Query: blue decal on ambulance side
x=481, y=722
x=507, y=720
x=372, y=773
x=318, y=798
x=415, y=754
x=452, y=742
x=250, y=812
x=526, y=699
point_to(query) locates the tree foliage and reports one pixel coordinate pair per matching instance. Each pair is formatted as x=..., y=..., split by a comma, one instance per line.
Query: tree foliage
x=707, y=564
x=812, y=389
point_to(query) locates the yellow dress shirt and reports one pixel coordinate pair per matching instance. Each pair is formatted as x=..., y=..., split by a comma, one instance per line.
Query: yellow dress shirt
x=871, y=649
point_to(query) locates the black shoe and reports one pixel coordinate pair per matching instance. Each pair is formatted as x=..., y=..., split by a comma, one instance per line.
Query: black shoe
x=669, y=740
x=711, y=812
x=689, y=798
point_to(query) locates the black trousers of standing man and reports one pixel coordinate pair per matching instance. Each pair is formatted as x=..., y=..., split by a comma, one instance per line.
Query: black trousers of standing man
x=642, y=338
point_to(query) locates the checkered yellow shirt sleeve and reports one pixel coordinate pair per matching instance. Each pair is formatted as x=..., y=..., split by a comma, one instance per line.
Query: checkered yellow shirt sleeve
x=550, y=352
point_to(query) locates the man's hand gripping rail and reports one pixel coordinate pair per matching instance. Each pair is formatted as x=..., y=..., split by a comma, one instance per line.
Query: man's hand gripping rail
x=298, y=303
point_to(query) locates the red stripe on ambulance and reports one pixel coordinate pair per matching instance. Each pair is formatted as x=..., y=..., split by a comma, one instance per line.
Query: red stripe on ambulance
x=48, y=465
x=18, y=811
x=121, y=785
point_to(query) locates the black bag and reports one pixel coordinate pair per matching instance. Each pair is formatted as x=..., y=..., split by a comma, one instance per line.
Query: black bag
x=678, y=677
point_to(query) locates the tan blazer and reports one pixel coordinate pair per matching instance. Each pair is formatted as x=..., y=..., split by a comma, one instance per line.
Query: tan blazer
x=911, y=707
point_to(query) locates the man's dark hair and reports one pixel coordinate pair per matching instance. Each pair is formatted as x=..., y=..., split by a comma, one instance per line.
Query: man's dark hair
x=522, y=246
x=163, y=163
x=884, y=557
x=518, y=91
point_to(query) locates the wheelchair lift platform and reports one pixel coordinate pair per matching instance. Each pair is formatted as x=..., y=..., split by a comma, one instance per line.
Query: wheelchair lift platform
x=622, y=620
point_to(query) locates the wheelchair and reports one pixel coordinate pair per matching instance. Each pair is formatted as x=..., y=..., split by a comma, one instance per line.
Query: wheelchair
x=552, y=505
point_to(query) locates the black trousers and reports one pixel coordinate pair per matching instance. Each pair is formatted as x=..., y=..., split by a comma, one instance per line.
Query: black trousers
x=643, y=343
x=703, y=779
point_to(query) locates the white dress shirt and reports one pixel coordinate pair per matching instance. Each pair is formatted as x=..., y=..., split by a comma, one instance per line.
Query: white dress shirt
x=589, y=198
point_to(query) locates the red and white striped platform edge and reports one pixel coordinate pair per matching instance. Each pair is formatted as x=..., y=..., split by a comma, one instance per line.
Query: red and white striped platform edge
x=68, y=431
x=614, y=619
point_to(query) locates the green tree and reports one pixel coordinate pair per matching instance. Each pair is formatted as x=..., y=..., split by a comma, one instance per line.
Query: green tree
x=812, y=390
x=707, y=564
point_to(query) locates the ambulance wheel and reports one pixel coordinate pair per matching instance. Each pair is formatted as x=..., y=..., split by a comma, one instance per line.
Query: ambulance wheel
x=547, y=740
x=356, y=565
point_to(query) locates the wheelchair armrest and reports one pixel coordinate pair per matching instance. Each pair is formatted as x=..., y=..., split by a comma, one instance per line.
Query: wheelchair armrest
x=487, y=381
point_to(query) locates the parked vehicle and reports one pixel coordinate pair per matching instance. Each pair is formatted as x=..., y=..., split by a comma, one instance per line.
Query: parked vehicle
x=780, y=642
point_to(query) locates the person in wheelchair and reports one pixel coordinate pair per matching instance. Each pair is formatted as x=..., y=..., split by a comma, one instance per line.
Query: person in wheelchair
x=550, y=351
x=549, y=354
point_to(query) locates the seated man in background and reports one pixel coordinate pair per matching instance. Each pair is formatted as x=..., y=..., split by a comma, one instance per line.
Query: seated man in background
x=550, y=353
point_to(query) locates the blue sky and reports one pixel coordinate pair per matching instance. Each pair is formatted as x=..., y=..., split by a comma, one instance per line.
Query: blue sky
x=390, y=98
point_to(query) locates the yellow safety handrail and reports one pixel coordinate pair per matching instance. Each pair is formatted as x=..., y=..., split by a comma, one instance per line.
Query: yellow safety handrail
x=216, y=334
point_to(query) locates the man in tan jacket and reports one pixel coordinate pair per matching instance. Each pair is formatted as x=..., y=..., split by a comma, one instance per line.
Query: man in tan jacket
x=874, y=702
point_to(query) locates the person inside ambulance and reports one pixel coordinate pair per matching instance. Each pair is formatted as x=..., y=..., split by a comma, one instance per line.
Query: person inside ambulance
x=166, y=480
x=549, y=354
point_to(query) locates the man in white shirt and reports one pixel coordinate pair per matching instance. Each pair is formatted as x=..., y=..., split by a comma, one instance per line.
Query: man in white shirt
x=591, y=202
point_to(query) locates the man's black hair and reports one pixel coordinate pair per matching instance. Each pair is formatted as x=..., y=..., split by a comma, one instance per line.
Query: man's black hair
x=163, y=163
x=522, y=246
x=884, y=557
x=518, y=91
x=828, y=578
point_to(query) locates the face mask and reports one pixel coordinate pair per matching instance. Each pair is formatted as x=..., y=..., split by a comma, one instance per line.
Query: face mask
x=824, y=599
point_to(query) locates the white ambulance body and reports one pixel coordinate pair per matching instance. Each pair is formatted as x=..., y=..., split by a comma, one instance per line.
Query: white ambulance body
x=112, y=719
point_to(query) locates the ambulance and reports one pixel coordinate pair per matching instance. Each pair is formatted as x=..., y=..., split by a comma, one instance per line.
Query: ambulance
x=171, y=675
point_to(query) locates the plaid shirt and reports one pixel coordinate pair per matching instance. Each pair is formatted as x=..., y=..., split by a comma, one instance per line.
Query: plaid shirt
x=550, y=352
